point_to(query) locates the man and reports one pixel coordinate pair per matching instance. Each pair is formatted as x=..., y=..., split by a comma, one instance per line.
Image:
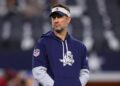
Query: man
x=58, y=58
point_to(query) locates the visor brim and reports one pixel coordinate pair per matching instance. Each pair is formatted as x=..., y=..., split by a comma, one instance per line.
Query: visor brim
x=57, y=13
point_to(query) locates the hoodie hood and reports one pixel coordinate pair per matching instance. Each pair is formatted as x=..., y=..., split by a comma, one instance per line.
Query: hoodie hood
x=51, y=34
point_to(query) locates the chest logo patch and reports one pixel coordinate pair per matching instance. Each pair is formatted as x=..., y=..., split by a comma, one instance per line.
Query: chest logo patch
x=67, y=59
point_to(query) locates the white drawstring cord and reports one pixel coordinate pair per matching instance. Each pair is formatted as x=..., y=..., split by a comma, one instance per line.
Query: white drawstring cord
x=66, y=45
x=63, y=49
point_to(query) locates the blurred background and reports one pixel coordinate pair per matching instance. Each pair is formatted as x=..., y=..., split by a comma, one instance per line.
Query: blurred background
x=95, y=22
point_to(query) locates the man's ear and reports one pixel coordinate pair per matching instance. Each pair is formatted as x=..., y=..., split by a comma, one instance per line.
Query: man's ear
x=69, y=19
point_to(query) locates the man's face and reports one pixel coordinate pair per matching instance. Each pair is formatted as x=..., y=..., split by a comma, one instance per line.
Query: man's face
x=59, y=23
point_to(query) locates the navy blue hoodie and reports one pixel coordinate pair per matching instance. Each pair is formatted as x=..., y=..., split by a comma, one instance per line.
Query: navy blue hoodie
x=63, y=59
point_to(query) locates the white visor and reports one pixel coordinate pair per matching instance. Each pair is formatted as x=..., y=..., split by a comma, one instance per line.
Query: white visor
x=60, y=10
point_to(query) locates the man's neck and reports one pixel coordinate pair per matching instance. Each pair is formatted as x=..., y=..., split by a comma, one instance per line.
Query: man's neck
x=61, y=35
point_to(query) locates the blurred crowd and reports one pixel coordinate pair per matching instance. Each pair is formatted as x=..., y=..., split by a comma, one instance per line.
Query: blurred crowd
x=10, y=77
x=23, y=21
x=19, y=22
x=26, y=7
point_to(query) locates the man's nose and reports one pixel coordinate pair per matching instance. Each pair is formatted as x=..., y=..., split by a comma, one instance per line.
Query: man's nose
x=56, y=20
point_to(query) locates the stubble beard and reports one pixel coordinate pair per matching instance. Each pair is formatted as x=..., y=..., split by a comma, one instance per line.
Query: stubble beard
x=59, y=30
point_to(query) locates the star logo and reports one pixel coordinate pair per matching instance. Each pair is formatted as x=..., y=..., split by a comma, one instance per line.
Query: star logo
x=57, y=9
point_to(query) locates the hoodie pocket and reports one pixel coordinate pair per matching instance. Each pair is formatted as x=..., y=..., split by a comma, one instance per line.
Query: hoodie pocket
x=67, y=82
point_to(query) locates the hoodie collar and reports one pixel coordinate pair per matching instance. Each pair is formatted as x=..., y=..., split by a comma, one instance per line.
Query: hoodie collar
x=51, y=34
x=66, y=38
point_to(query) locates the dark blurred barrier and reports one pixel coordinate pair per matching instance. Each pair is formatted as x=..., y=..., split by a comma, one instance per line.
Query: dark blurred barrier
x=20, y=60
x=16, y=59
x=103, y=84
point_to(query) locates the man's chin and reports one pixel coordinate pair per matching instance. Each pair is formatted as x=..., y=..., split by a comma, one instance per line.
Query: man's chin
x=59, y=30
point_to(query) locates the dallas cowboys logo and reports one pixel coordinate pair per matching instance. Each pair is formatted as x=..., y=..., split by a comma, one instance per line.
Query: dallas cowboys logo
x=67, y=59
x=57, y=9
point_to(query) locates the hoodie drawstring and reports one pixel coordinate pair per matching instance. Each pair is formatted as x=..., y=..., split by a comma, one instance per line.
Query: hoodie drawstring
x=64, y=47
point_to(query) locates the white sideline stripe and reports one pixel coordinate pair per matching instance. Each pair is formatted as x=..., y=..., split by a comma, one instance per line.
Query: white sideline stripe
x=105, y=77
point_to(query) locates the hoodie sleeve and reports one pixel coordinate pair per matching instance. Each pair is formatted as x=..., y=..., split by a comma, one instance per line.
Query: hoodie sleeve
x=40, y=65
x=39, y=57
x=84, y=72
x=84, y=64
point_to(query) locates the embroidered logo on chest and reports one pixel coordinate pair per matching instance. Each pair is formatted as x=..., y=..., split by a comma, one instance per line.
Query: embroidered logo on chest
x=67, y=59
